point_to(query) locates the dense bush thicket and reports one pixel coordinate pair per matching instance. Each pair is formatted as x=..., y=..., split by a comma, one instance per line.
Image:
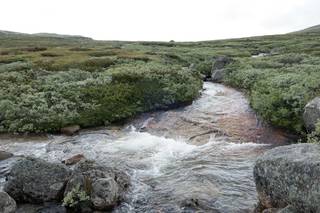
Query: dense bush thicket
x=39, y=100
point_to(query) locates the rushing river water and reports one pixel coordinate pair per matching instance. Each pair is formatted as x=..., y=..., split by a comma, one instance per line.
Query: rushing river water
x=196, y=158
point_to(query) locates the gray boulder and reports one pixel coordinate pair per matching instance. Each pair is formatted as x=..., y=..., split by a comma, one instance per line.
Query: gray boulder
x=221, y=62
x=289, y=176
x=34, y=180
x=7, y=204
x=311, y=113
x=105, y=193
x=105, y=186
x=218, y=75
x=218, y=68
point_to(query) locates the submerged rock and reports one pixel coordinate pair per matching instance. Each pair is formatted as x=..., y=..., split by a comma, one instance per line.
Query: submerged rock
x=218, y=68
x=105, y=186
x=70, y=130
x=311, y=114
x=34, y=180
x=289, y=176
x=7, y=203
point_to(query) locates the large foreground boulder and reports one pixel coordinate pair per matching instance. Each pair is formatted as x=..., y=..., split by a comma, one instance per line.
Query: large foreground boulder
x=288, y=176
x=218, y=68
x=7, y=204
x=105, y=186
x=34, y=180
x=311, y=114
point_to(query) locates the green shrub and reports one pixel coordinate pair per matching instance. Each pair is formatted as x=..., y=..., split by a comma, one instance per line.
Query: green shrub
x=205, y=67
x=291, y=59
x=50, y=54
x=102, y=53
x=79, y=49
x=75, y=197
x=34, y=49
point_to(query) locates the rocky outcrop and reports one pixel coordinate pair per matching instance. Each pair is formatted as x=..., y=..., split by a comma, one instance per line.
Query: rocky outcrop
x=33, y=180
x=7, y=204
x=89, y=186
x=70, y=130
x=311, y=114
x=218, y=68
x=104, y=185
x=287, y=178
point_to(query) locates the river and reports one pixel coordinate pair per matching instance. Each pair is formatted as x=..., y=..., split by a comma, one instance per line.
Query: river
x=197, y=158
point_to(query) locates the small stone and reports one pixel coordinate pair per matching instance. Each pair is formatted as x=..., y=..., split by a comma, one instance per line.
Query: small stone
x=74, y=159
x=70, y=130
x=5, y=155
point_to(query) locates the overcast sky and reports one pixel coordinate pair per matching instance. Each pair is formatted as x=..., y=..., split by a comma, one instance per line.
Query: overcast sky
x=180, y=20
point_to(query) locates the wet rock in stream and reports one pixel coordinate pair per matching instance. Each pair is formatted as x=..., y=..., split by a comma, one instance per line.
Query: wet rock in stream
x=105, y=186
x=88, y=187
x=289, y=176
x=34, y=180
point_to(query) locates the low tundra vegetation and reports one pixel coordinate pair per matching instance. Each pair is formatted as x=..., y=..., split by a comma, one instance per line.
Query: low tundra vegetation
x=34, y=100
x=278, y=86
x=48, y=82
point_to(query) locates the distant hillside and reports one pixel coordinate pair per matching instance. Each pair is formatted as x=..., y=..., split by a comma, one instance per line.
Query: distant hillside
x=48, y=35
x=60, y=35
x=9, y=39
x=314, y=29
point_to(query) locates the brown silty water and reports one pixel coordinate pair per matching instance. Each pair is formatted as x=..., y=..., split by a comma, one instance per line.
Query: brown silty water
x=197, y=158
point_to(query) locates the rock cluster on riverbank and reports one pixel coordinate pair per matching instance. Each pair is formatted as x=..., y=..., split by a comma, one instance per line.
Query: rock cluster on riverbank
x=87, y=187
x=287, y=179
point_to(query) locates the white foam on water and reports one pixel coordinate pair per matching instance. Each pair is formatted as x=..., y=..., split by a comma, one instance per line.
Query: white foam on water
x=27, y=149
x=155, y=152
